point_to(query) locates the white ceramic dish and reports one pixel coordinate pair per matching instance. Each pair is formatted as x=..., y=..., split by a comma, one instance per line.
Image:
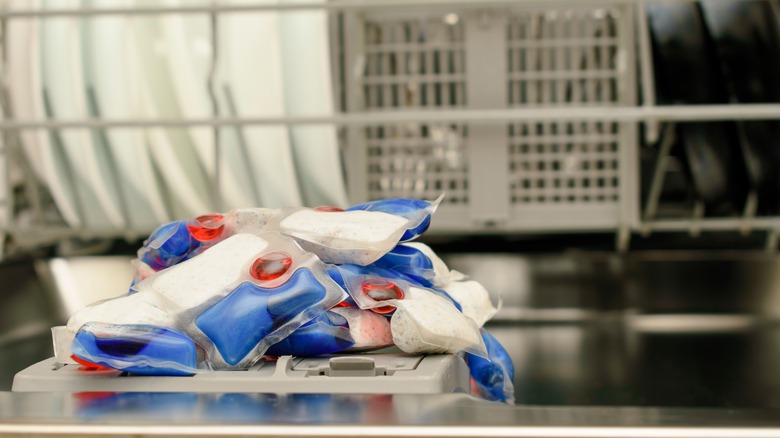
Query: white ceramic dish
x=190, y=57
x=172, y=149
x=22, y=49
x=5, y=200
x=111, y=67
x=27, y=99
x=251, y=73
x=308, y=91
x=90, y=164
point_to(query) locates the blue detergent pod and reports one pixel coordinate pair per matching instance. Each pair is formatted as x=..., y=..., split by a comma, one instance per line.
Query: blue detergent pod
x=136, y=348
x=166, y=246
x=493, y=377
x=248, y=314
x=329, y=333
x=409, y=261
x=335, y=275
x=376, y=271
x=417, y=211
x=373, y=271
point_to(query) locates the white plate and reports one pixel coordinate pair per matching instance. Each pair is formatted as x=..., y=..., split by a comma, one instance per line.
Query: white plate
x=27, y=99
x=90, y=163
x=5, y=200
x=190, y=56
x=111, y=68
x=172, y=149
x=22, y=51
x=63, y=78
x=308, y=91
x=251, y=70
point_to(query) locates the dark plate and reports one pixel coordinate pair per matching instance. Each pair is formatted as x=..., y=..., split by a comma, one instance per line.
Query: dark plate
x=748, y=44
x=687, y=72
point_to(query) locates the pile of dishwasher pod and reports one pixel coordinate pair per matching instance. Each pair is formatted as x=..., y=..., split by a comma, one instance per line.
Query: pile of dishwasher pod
x=223, y=291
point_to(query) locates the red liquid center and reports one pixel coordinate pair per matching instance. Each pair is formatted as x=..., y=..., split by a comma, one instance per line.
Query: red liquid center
x=271, y=266
x=87, y=365
x=328, y=208
x=207, y=227
x=342, y=304
x=380, y=289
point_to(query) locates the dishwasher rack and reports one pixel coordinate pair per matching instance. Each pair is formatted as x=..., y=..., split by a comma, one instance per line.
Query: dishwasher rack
x=544, y=140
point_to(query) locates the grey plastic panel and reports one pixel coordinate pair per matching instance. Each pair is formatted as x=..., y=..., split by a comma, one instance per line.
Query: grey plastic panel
x=348, y=374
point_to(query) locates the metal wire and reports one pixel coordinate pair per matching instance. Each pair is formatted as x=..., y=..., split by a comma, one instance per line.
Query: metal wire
x=211, y=86
x=335, y=5
x=681, y=113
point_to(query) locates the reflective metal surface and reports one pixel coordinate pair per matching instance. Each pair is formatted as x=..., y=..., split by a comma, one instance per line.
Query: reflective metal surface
x=665, y=329
x=619, y=363
x=669, y=282
x=654, y=344
x=142, y=414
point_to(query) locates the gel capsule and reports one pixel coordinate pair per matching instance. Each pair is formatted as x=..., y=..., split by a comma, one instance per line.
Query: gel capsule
x=136, y=348
x=238, y=322
x=326, y=334
x=207, y=227
x=271, y=266
x=380, y=289
x=493, y=378
x=409, y=261
x=343, y=273
x=167, y=245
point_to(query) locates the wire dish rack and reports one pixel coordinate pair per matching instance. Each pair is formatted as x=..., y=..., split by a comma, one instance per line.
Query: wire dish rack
x=527, y=115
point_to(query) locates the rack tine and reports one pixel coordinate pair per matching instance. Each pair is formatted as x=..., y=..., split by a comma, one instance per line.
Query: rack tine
x=211, y=86
x=647, y=77
x=659, y=172
x=749, y=212
x=694, y=227
x=771, y=240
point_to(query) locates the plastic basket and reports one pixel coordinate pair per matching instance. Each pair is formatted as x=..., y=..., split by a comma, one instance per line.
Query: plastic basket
x=525, y=175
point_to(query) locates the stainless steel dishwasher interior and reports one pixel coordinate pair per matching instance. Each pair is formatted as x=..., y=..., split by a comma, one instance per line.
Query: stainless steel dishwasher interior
x=668, y=329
